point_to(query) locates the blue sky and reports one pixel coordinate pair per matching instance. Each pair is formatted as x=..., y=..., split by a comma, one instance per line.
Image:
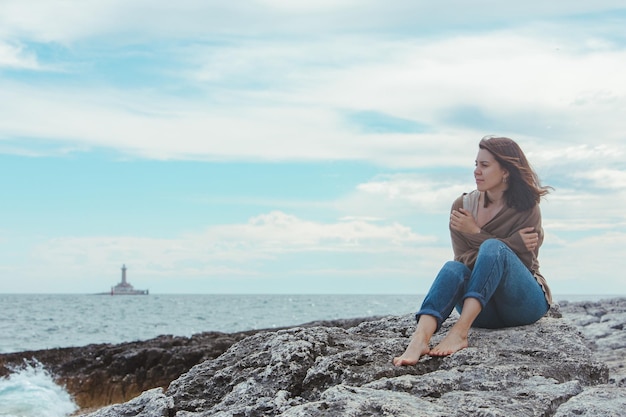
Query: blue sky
x=272, y=146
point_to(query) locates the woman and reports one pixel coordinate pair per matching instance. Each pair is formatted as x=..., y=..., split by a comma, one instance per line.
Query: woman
x=494, y=280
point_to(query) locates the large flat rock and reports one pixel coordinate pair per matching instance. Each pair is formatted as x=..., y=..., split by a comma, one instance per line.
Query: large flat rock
x=534, y=370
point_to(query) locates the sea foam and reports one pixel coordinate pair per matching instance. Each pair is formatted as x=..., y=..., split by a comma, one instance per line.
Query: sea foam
x=31, y=392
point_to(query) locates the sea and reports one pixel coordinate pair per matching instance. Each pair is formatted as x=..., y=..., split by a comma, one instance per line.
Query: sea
x=44, y=321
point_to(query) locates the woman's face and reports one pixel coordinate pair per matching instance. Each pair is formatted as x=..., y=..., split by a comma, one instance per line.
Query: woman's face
x=489, y=173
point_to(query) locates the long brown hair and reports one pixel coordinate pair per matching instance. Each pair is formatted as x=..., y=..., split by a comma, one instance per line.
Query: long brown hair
x=524, y=190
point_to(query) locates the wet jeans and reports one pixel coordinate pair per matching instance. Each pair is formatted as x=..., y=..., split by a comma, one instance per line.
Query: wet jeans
x=506, y=289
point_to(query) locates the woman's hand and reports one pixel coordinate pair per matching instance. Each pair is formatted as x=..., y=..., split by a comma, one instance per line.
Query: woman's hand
x=530, y=238
x=462, y=220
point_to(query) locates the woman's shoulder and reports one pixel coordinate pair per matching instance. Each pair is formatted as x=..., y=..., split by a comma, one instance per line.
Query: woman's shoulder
x=466, y=199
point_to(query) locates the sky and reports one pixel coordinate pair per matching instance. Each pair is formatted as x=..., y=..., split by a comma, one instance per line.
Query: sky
x=311, y=146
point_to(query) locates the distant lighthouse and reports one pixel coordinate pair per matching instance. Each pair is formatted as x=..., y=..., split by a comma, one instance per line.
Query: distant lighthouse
x=124, y=288
x=124, y=283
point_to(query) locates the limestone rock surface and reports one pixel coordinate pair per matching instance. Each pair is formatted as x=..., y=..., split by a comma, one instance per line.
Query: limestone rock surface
x=603, y=323
x=536, y=370
x=102, y=374
x=571, y=363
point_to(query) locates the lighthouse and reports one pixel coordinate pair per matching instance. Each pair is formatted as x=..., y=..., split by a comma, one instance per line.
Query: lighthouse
x=124, y=283
x=124, y=288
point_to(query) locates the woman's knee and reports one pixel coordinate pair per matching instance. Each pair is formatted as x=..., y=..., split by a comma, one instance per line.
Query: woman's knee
x=491, y=246
x=456, y=270
x=455, y=266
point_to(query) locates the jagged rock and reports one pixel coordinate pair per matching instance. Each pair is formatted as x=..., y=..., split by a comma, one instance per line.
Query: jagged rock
x=601, y=401
x=326, y=371
x=101, y=374
x=603, y=324
x=546, y=369
x=151, y=403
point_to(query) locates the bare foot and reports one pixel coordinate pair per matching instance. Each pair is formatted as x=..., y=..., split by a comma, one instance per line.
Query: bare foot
x=416, y=349
x=453, y=342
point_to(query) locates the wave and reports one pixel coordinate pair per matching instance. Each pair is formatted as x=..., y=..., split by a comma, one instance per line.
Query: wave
x=31, y=392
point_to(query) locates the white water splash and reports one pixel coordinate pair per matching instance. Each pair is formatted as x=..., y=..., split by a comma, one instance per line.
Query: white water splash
x=31, y=392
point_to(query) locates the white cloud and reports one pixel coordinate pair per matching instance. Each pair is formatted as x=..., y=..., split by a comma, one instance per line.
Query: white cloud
x=300, y=117
x=16, y=57
x=588, y=265
x=285, y=100
x=309, y=6
x=422, y=193
x=235, y=249
x=63, y=21
x=578, y=153
x=575, y=210
x=277, y=232
x=605, y=178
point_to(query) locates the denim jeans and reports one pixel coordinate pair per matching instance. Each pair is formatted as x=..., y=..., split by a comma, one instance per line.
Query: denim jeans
x=507, y=291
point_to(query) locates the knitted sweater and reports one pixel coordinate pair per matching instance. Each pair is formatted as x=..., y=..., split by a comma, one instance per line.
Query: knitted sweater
x=504, y=226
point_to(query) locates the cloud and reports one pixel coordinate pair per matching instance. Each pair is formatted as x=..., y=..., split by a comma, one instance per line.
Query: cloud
x=423, y=193
x=606, y=178
x=60, y=21
x=570, y=210
x=16, y=57
x=235, y=249
x=277, y=232
x=312, y=6
x=301, y=116
x=375, y=122
x=585, y=264
x=578, y=153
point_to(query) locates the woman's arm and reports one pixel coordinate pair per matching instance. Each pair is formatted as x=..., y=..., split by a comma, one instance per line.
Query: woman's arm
x=465, y=245
x=528, y=233
x=523, y=235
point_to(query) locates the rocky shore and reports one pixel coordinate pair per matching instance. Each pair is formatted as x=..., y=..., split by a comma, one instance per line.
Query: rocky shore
x=98, y=375
x=570, y=363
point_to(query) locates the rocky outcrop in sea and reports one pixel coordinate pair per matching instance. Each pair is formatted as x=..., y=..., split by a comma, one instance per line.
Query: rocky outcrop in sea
x=560, y=366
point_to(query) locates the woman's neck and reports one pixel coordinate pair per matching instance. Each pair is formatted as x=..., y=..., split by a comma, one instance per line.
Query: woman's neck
x=495, y=198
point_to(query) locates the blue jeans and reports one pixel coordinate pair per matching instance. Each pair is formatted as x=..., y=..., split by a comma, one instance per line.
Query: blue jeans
x=507, y=291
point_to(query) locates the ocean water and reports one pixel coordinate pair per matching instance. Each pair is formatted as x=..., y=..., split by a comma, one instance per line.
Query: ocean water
x=34, y=322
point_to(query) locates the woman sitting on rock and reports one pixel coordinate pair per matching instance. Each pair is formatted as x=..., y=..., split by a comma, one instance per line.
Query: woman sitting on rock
x=494, y=280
